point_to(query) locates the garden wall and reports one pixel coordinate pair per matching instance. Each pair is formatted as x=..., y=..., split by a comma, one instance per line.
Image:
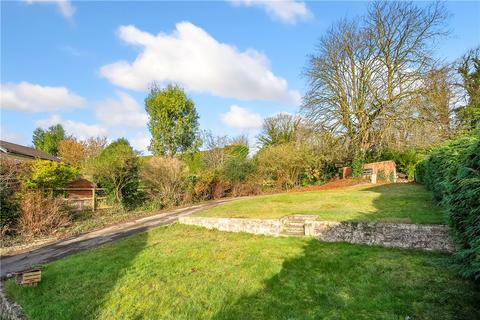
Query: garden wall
x=398, y=235
x=269, y=227
x=411, y=236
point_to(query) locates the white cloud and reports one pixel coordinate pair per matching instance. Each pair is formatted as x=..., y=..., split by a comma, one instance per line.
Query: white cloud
x=191, y=57
x=124, y=111
x=78, y=129
x=64, y=6
x=141, y=142
x=31, y=97
x=241, y=118
x=288, y=11
x=10, y=136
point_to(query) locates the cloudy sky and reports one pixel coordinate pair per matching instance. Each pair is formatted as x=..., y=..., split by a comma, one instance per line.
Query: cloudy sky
x=88, y=64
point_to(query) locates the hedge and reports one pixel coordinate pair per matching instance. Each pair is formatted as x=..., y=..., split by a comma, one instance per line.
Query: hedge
x=452, y=173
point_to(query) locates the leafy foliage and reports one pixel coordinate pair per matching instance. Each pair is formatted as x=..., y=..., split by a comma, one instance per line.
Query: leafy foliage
x=71, y=151
x=357, y=167
x=116, y=170
x=278, y=129
x=452, y=172
x=50, y=175
x=173, y=121
x=47, y=140
x=405, y=159
x=469, y=69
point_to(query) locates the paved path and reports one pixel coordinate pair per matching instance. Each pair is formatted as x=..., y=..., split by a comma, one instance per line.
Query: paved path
x=23, y=261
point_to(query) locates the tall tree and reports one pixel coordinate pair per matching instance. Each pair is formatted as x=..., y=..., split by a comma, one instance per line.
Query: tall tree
x=366, y=71
x=278, y=129
x=47, y=140
x=71, y=151
x=173, y=121
x=469, y=70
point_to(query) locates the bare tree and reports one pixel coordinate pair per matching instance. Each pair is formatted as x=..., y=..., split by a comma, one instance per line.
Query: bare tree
x=366, y=71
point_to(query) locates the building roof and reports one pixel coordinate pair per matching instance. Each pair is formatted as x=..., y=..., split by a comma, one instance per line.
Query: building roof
x=22, y=151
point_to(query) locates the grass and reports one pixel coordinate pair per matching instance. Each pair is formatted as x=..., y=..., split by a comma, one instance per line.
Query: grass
x=184, y=272
x=407, y=203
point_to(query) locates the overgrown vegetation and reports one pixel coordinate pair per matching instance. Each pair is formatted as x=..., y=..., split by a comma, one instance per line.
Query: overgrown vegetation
x=452, y=172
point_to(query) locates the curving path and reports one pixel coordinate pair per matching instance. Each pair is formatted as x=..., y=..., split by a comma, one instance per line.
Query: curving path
x=36, y=257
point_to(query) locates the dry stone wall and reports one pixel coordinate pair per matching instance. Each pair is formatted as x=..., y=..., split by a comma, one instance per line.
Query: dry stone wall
x=412, y=236
x=398, y=235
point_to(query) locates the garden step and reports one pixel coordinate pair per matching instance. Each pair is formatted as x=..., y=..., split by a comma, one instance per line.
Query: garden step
x=296, y=224
x=289, y=233
x=300, y=231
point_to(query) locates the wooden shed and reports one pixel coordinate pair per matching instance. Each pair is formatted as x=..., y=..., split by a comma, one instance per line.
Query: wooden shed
x=80, y=188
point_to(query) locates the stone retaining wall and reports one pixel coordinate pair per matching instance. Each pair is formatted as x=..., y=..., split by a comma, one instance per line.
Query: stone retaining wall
x=398, y=235
x=269, y=227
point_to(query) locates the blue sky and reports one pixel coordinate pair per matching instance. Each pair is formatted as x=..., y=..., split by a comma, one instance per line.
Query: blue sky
x=87, y=64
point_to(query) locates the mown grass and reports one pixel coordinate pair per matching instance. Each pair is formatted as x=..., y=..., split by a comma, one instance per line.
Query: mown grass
x=184, y=272
x=407, y=203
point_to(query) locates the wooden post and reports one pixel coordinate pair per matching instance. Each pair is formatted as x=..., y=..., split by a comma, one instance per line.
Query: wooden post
x=93, y=198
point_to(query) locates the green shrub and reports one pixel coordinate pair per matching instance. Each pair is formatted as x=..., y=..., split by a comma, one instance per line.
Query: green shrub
x=381, y=175
x=405, y=160
x=357, y=167
x=116, y=170
x=50, y=175
x=462, y=201
x=237, y=169
x=452, y=172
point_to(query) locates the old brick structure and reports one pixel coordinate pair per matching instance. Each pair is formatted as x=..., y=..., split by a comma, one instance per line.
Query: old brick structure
x=388, y=168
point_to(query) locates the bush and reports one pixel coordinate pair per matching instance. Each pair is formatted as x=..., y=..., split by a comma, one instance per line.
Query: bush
x=41, y=214
x=282, y=164
x=357, y=167
x=50, y=175
x=405, y=160
x=165, y=177
x=116, y=170
x=452, y=172
x=237, y=169
x=10, y=172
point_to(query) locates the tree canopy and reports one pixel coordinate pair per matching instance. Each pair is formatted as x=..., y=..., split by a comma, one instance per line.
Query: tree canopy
x=368, y=73
x=47, y=140
x=173, y=121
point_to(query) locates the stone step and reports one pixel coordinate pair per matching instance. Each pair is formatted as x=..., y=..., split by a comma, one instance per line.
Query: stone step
x=299, y=231
x=288, y=233
x=293, y=227
x=295, y=224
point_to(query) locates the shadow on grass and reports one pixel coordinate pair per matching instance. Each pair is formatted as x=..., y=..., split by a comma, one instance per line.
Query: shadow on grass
x=75, y=288
x=342, y=281
x=402, y=203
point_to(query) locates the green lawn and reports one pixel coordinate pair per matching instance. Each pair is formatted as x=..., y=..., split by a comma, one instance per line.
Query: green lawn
x=408, y=203
x=184, y=272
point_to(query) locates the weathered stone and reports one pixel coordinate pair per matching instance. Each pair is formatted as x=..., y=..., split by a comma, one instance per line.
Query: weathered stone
x=399, y=235
x=427, y=237
x=256, y=226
